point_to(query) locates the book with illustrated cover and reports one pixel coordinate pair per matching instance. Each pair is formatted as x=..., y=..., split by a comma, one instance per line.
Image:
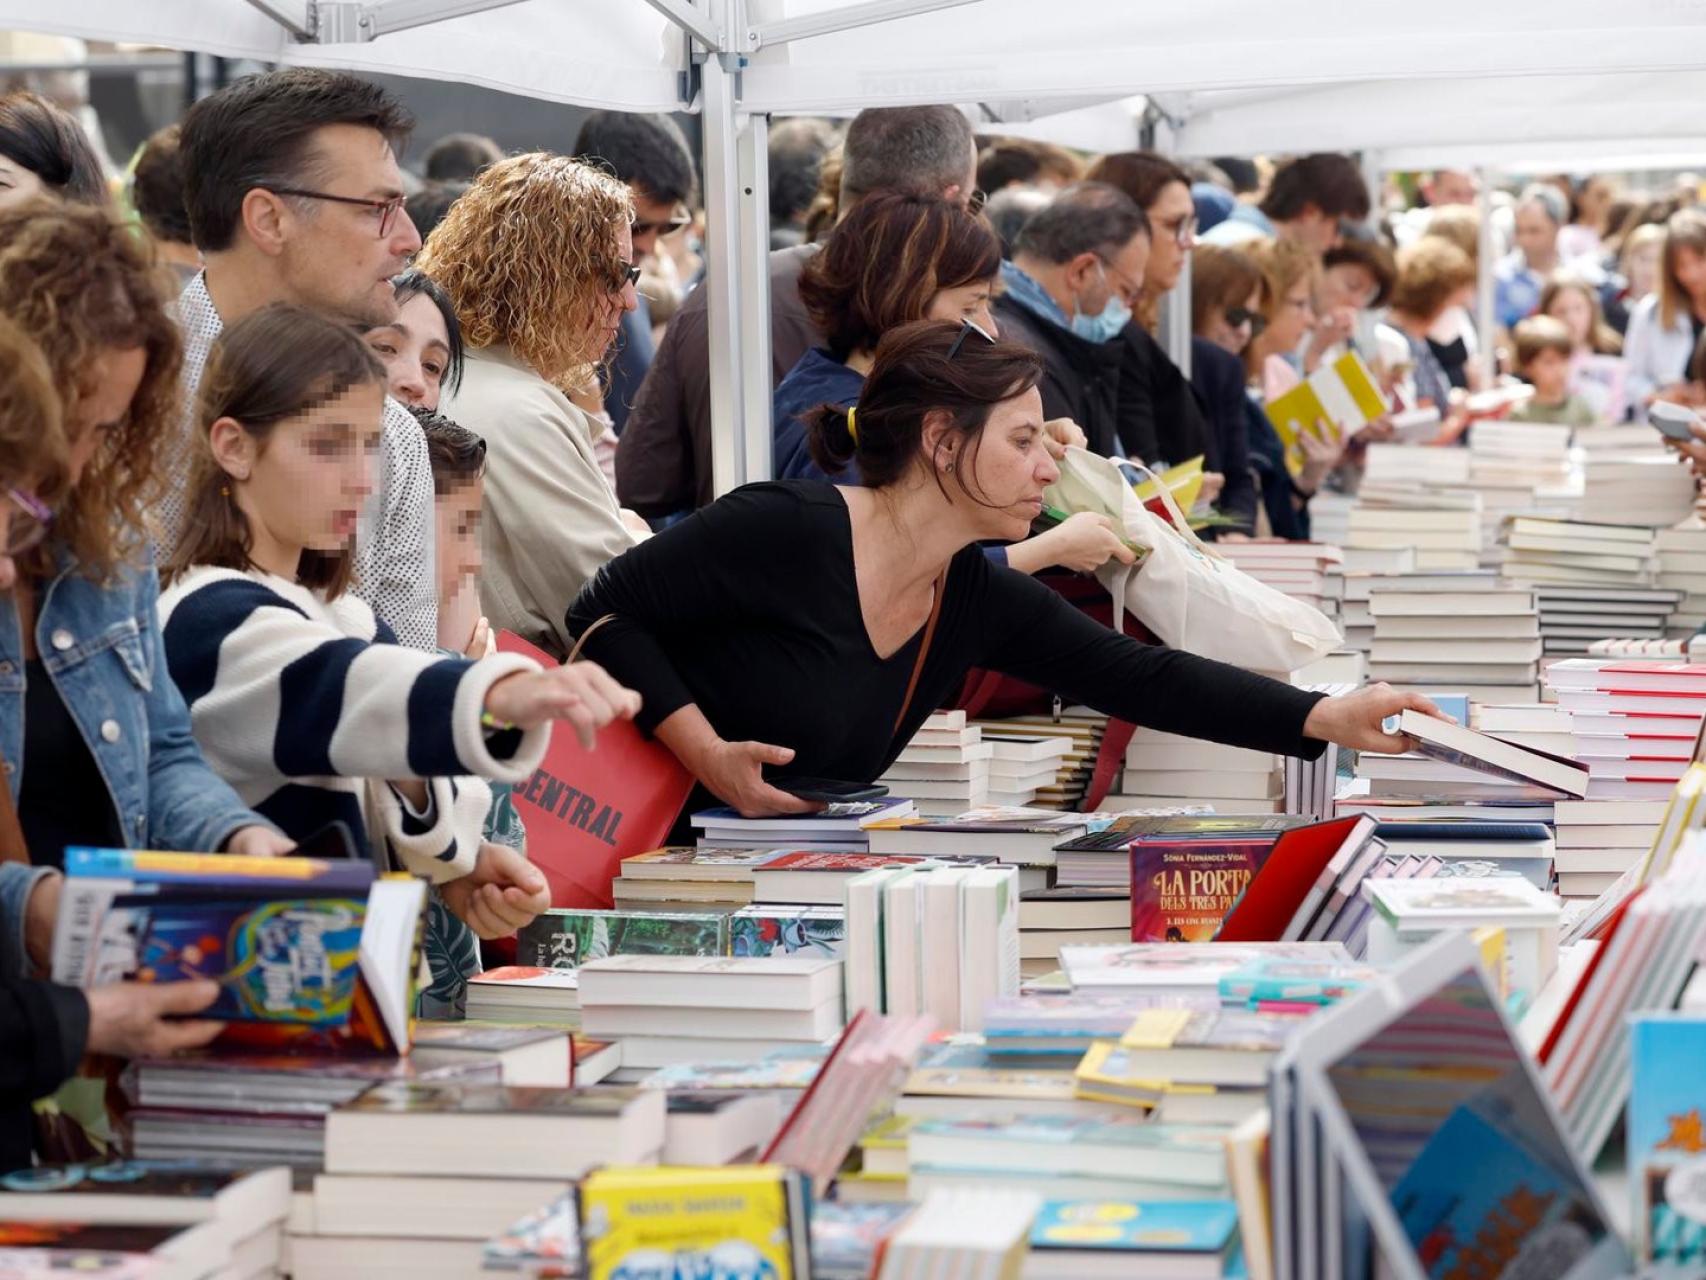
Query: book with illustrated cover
x=768, y=1073
x=788, y=930
x=1181, y=890
x=59, y=1249
x=1293, y=982
x=145, y=1193
x=546, y=1241
x=1168, y=966
x=847, y=1239
x=696, y=864
x=316, y=949
x=564, y=938
x=1072, y=1145
x=1127, y=1226
x=1107, y=1074
x=739, y=1221
x=1667, y=1138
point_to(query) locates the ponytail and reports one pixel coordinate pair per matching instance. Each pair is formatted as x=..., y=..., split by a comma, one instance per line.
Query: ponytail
x=829, y=437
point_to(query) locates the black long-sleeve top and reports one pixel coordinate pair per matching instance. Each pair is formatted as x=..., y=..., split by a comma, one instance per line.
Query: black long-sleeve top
x=43, y=1029
x=750, y=609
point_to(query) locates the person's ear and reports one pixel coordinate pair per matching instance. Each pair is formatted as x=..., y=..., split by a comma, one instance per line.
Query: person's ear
x=233, y=448
x=941, y=441
x=1081, y=271
x=266, y=220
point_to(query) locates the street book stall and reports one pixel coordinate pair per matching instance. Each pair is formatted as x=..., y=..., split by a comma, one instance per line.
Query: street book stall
x=1063, y=998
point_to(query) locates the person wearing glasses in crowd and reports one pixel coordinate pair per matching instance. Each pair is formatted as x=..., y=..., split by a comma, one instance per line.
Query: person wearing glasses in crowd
x=648, y=153
x=796, y=628
x=663, y=467
x=538, y=261
x=1070, y=289
x=893, y=260
x=294, y=195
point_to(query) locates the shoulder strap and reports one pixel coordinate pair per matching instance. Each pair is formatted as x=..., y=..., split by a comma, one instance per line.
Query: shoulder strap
x=12, y=845
x=580, y=641
x=923, y=651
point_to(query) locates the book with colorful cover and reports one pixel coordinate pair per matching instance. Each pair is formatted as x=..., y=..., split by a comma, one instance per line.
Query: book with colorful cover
x=1182, y=889
x=565, y=937
x=1130, y=1226
x=1292, y=981
x=312, y=948
x=1170, y=966
x=786, y=930
x=847, y=1239
x=767, y=1073
x=1333, y=402
x=736, y=1221
x=61, y=1249
x=695, y=864
x=1477, y=1196
x=546, y=1241
x=1106, y=1074
x=1667, y=1138
x=1080, y=1145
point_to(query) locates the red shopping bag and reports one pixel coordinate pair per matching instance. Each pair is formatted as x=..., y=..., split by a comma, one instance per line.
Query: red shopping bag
x=587, y=810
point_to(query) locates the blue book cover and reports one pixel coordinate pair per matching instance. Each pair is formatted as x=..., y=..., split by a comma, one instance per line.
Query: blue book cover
x=203, y=871
x=1667, y=1137
x=1131, y=1226
x=1477, y=1196
x=1398, y=832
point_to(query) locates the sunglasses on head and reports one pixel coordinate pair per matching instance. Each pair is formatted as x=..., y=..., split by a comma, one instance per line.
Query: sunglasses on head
x=1239, y=316
x=967, y=328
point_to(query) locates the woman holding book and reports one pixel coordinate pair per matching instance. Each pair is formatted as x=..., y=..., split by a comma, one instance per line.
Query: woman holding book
x=893, y=260
x=809, y=629
x=48, y=1028
x=299, y=696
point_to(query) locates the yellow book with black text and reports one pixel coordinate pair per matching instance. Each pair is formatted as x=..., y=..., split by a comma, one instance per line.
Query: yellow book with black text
x=1333, y=402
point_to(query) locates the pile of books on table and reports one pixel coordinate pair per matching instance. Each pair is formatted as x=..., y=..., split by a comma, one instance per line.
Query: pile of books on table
x=1648, y=488
x=945, y=768
x=1573, y=617
x=1301, y=570
x=1473, y=633
x=1442, y=527
x=837, y=828
x=1079, y=728
x=1163, y=769
x=1682, y=567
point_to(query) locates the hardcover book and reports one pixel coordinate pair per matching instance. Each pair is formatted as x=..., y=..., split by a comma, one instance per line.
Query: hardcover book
x=819, y=931
x=744, y=1220
x=1181, y=890
x=564, y=938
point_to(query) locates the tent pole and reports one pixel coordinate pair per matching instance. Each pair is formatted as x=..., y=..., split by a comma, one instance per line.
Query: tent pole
x=752, y=160
x=1175, y=317
x=724, y=278
x=1486, y=322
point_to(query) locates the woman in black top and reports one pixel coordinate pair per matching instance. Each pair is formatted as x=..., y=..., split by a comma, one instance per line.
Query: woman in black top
x=780, y=626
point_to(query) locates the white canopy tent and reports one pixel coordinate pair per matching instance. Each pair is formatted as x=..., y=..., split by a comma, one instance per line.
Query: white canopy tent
x=1234, y=76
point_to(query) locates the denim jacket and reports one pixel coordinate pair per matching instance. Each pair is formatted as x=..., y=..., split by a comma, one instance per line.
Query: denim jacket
x=100, y=644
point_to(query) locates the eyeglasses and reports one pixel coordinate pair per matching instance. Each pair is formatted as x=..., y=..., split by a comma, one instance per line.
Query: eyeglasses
x=623, y=274
x=386, y=209
x=1129, y=292
x=976, y=200
x=967, y=328
x=29, y=529
x=667, y=228
x=1183, y=230
x=1239, y=316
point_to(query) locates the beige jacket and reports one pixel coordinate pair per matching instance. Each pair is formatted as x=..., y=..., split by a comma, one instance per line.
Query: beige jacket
x=551, y=520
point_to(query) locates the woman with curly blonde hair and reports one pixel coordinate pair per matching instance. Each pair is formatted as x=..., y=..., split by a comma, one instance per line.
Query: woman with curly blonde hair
x=95, y=736
x=537, y=259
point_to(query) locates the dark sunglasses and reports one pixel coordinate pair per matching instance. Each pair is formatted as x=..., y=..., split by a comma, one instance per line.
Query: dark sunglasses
x=967, y=328
x=623, y=274
x=1237, y=316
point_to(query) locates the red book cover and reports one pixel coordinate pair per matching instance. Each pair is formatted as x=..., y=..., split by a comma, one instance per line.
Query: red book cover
x=1279, y=886
x=1612, y=922
x=1181, y=890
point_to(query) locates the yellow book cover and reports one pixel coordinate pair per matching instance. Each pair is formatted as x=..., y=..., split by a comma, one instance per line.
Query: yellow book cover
x=1156, y=1028
x=1104, y=1075
x=1343, y=395
x=888, y=1134
x=1183, y=480
x=737, y=1221
x=1490, y=940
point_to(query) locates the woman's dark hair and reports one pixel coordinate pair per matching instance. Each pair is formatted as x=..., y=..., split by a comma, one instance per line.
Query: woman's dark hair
x=920, y=368
x=458, y=456
x=415, y=283
x=50, y=144
x=884, y=262
x=269, y=367
x=1142, y=175
x=157, y=187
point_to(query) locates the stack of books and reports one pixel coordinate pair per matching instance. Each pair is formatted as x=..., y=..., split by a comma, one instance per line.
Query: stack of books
x=1648, y=488
x=1298, y=569
x=944, y=769
x=1512, y=848
x=1163, y=769
x=670, y=1010
x=1021, y=768
x=1020, y=836
x=1474, y=634
x=1311, y=785
x=697, y=877
x=1577, y=553
x=1682, y=567
x=1081, y=727
x=565, y=938
x=419, y=1178
x=1573, y=617
x=837, y=828
x=1409, y=914
x=136, y=1219
x=1444, y=533
x=1068, y=916
x=1598, y=841
x=1675, y=649
x=1519, y=469
x=527, y=995
x=1634, y=724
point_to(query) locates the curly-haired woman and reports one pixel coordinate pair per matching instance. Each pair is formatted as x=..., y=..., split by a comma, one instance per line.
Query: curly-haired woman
x=537, y=260
x=95, y=737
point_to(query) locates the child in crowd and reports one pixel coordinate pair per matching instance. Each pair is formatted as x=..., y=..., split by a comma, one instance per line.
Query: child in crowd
x=296, y=693
x=1543, y=359
x=1597, y=370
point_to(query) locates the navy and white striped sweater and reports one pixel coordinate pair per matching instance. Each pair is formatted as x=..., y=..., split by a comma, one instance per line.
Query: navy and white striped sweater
x=307, y=706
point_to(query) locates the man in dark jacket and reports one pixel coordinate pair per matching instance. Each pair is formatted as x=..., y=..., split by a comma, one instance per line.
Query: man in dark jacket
x=1074, y=277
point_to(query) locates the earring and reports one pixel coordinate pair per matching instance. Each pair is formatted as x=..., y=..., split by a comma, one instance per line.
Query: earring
x=949, y=468
x=224, y=491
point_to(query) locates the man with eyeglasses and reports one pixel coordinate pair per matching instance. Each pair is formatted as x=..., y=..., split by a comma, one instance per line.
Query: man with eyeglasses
x=1074, y=279
x=663, y=467
x=649, y=154
x=294, y=195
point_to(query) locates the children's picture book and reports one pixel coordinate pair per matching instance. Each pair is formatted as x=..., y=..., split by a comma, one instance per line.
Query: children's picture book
x=1667, y=1138
x=741, y=1220
x=566, y=937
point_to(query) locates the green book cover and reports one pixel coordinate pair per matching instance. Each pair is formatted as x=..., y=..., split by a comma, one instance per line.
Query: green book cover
x=819, y=932
x=565, y=938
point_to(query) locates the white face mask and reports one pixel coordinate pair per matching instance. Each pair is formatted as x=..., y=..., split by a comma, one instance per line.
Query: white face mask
x=1106, y=324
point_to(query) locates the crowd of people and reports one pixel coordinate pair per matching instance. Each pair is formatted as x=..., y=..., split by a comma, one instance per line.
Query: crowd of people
x=287, y=436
